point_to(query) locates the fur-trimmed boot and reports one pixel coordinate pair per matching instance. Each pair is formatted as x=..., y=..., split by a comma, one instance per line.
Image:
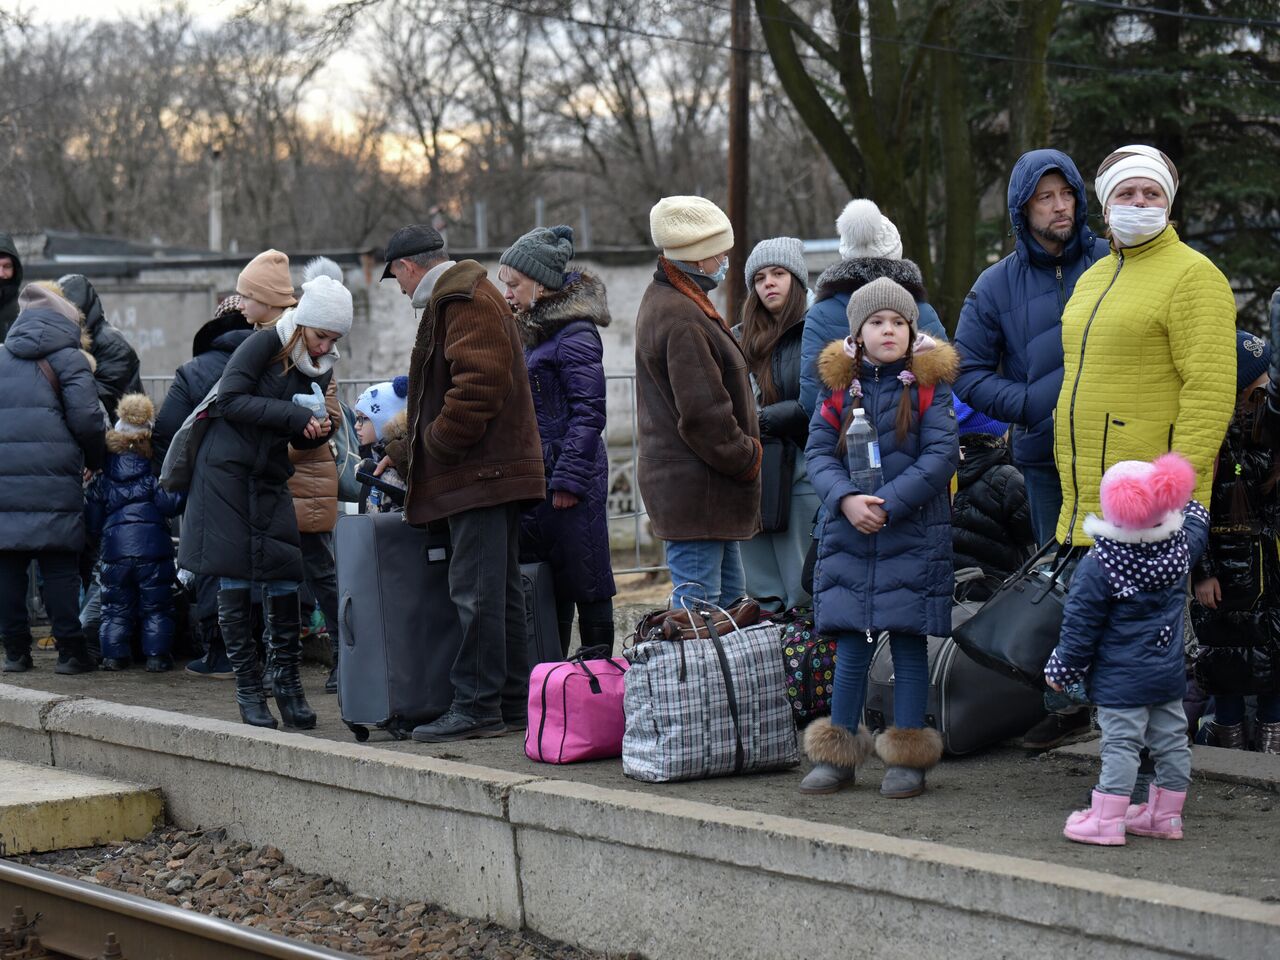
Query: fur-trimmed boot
x=836, y=752
x=907, y=753
x=1160, y=816
x=1102, y=823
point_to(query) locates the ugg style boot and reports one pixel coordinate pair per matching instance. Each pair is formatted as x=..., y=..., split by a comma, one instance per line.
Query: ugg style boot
x=1160, y=816
x=1102, y=823
x=235, y=621
x=1269, y=738
x=836, y=752
x=907, y=753
x=286, y=653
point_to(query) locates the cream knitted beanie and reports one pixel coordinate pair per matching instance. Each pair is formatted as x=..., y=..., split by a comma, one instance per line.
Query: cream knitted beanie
x=689, y=228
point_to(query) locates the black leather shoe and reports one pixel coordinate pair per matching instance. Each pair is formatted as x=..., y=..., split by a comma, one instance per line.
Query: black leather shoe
x=458, y=726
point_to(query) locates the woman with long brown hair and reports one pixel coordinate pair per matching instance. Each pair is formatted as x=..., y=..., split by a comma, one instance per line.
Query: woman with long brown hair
x=240, y=524
x=770, y=334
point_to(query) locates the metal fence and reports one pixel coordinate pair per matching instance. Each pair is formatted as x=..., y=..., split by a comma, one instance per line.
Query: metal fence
x=626, y=510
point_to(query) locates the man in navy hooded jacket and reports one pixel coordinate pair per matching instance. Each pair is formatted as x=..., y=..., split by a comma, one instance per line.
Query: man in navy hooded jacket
x=1009, y=337
x=1010, y=330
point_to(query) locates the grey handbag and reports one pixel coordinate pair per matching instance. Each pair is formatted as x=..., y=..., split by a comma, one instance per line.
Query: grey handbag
x=180, y=458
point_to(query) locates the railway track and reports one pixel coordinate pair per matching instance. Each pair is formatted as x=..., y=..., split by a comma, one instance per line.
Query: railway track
x=44, y=915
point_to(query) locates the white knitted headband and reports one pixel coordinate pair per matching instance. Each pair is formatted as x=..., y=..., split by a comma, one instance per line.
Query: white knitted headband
x=1135, y=160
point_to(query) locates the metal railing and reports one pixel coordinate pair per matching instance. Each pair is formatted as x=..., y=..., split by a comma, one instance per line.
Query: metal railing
x=622, y=457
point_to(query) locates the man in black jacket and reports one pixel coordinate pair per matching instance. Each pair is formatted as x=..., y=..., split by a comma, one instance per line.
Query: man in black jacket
x=10, y=283
x=117, y=371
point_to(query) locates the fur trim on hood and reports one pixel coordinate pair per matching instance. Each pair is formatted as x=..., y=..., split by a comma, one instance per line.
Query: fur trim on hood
x=397, y=428
x=582, y=298
x=850, y=275
x=139, y=443
x=939, y=364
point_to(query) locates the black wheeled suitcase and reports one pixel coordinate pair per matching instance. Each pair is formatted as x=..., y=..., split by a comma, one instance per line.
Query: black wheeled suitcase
x=540, y=614
x=399, y=632
x=971, y=706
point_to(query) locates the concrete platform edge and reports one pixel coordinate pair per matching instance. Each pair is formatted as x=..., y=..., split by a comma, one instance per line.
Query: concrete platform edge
x=620, y=870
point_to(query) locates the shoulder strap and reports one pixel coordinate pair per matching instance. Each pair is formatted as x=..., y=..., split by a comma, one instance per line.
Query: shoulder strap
x=51, y=375
x=926, y=397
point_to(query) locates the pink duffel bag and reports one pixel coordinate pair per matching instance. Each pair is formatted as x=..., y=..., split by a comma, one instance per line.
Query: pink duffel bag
x=575, y=710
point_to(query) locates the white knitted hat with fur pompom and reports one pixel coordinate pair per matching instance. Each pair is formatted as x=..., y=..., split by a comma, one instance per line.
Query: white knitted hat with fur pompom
x=866, y=232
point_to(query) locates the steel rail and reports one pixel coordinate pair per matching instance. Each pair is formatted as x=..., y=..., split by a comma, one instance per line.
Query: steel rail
x=75, y=918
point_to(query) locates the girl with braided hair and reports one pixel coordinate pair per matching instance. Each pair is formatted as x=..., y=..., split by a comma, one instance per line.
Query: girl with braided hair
x=884, y=556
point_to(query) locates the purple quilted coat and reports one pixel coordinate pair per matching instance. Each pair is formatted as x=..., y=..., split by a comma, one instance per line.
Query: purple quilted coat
x=564, y=354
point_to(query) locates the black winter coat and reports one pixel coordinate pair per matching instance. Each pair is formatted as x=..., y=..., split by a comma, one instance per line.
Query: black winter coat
x=10, y=288
x=46, y=440
x=194, y=379
x=990, y=519
x=239, y=520
x=1238, y=644
x=118, y=370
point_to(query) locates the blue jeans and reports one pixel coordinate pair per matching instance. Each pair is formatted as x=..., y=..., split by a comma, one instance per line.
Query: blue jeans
x=1229, y=711
x=706, y=570
x=1044, y=499
x=272, y=588
x=1162, y=727
x=910, y=679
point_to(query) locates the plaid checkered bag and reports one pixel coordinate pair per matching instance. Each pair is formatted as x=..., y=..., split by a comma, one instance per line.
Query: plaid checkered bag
x=707, y=707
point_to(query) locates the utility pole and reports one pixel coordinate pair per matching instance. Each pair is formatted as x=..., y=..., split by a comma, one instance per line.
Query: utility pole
x=739, y=144
x=215, y=197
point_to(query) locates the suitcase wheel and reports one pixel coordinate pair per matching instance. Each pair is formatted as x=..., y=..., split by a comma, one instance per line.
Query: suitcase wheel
x=398, y=732
x=361, y=733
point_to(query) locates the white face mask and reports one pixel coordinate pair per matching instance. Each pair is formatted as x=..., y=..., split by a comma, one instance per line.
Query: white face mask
x=1132, y=226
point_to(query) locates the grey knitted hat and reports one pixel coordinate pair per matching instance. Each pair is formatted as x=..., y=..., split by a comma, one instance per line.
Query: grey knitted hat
x=881, y=294
x=786, y=252
x=542, y=254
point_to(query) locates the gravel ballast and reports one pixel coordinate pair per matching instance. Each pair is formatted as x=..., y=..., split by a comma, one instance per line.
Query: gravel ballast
x=211, y=872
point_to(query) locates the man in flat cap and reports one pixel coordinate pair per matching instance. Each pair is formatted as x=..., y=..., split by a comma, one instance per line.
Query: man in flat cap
x=470, y=451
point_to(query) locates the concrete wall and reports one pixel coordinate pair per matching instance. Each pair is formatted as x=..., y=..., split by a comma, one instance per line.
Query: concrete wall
x=620, y=870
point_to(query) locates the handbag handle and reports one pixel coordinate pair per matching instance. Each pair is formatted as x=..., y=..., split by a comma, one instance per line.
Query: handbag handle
x=703, y=610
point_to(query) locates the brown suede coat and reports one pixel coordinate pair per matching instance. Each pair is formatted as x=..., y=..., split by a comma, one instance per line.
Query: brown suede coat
x=314, y=484
x=473, y=437
x=699, y=469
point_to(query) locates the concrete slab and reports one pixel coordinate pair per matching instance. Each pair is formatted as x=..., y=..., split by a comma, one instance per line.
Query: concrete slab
x=1259, y=770
x=44, y=808
x=22, y=714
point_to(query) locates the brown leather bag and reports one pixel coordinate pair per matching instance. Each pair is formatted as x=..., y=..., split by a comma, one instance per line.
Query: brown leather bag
x=679, y=625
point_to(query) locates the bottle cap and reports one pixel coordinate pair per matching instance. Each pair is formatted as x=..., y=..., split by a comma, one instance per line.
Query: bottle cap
x=859, y=410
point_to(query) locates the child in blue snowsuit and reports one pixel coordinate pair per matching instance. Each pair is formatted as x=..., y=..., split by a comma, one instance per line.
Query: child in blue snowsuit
x=127, y=508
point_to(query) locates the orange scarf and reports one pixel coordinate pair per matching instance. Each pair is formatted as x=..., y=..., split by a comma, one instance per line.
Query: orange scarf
x=681, y=281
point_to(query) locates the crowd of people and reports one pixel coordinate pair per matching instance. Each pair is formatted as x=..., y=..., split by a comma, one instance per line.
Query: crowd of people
x=1096, y=393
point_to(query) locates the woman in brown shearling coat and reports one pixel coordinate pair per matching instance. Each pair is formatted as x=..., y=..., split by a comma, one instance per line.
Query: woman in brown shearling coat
x=699, y=446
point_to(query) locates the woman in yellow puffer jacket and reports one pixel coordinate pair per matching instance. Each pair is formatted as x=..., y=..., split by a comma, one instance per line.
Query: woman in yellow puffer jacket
x=1149, y=343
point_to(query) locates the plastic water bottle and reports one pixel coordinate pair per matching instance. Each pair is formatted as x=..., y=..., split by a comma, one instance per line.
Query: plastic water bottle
x=862, y=453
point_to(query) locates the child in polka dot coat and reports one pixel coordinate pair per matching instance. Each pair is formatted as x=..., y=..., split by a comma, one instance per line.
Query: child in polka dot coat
x=1122, y=638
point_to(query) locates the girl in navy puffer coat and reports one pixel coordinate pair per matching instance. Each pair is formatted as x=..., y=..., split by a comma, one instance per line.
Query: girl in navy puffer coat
x=126, y=506
x=884, y=556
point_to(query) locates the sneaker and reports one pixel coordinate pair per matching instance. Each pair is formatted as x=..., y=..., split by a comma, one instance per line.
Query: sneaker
x=458, y=726
x=16, y=662
x=71, y=664
x=1057, y=729
x=218, y=669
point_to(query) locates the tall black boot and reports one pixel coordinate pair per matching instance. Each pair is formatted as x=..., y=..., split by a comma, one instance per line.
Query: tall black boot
x=235, y=621
x=286, y=651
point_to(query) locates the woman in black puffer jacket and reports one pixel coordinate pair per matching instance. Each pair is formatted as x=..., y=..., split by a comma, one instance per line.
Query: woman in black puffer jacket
x=51, y=430
x=991, y=520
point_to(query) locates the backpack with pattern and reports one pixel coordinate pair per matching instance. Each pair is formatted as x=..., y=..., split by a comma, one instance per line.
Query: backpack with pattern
x=809, y=662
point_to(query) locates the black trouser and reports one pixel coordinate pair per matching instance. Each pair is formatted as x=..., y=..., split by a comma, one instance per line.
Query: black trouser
x=60, y=570
x=491, y=673
x=595, y=622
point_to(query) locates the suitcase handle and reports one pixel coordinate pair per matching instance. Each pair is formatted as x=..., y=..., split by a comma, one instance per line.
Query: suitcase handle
x=346, y=620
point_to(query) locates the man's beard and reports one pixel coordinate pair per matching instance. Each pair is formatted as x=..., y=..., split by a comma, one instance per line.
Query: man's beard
x=1054, y=236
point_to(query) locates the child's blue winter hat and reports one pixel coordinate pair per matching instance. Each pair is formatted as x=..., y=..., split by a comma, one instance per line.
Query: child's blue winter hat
x=969, y=420
x=383, y=401
x=1253, y=356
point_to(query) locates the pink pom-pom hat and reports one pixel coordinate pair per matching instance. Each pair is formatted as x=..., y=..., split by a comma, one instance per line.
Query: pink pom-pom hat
x=1137, y=495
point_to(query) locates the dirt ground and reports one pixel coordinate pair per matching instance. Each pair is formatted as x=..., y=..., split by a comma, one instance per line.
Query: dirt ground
x=1002, y=800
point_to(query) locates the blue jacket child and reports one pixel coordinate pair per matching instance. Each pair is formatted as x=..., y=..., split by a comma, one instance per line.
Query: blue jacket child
x=126, y=506
x=898, y=576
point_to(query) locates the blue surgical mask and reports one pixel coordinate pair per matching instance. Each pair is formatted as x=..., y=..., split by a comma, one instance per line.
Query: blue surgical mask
x=721, y=272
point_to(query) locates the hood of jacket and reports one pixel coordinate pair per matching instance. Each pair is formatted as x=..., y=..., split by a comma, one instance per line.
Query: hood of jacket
x=221, y=333
x=77, y=288
x=979, y=453
x=850, y=275
x=939, y=364
x=582, y=298
x=1134, y=561
x=1031, y=166
x=127, y=463
x=9, y=288
x=40, y=332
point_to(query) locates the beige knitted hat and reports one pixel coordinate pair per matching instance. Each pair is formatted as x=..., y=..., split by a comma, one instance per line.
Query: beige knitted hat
x=881, y=294
x=266, y=279
x=689, y=228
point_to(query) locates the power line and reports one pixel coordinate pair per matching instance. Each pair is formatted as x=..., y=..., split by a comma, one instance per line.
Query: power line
x=1180, y=14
